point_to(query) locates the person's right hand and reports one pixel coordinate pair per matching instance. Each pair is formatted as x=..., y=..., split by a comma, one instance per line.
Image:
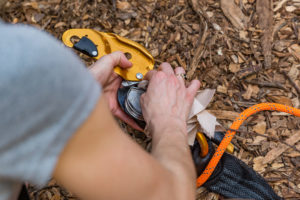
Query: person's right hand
x=167, y=101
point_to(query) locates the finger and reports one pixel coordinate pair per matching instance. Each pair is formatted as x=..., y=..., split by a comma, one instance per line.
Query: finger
x=116, y=58
x=124, y=117
x=150, y=74
x=179, y=72
x=166, y=67
x=193, y=88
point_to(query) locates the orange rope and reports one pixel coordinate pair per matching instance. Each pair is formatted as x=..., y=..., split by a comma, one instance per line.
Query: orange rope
x=235, y=126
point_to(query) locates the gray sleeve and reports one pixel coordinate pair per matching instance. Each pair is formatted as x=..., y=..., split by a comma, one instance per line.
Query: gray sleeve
x=46, y=93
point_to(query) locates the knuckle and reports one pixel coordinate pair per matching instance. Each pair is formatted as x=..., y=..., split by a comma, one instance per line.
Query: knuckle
x=165, y=64
x=173, y=80
x=142, y=98
x=180, y=70
x=113, y=57
x=113, y=109
x=160, y=75
x=106, y=57
x=110, y=56
x=189, y=97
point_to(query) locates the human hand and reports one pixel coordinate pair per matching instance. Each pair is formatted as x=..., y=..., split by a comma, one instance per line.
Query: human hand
x=167, y=101
x=102, y=70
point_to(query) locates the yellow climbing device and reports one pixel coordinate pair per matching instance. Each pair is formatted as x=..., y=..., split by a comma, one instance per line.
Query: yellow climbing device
x=105, y=43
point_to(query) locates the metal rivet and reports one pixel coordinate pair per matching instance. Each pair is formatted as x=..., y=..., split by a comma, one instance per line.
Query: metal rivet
x=139, y=76
x=94, y=53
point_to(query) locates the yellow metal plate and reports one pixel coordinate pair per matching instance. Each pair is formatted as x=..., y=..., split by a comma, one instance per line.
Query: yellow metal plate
x=142, y=60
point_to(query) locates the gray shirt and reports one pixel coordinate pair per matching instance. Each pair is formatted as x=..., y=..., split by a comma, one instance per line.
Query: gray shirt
x=46, y=93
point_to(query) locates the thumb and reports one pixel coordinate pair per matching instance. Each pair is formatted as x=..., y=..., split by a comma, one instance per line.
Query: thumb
x=103, y=68
x=114, y=59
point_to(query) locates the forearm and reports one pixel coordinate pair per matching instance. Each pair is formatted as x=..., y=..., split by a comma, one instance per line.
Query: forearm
x=101, y=162
x=170, y=148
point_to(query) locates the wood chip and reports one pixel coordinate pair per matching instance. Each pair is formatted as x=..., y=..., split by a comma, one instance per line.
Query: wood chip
x=258, y=164
x=222, y=89
x=290, y=8
x=223, y=114
x=276, y=152
x=279, y=5
x=282, y=100
x=234, y=14
x=258, y=140
x=233, y=67
x=260, y=127
x=295, y=51
x=123, y=5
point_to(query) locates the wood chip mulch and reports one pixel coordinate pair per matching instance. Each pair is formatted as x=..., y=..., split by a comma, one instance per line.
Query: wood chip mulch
x=248, y=50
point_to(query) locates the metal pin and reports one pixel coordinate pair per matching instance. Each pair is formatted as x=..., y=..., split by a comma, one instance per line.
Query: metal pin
x=139, y=76
x=94, y=53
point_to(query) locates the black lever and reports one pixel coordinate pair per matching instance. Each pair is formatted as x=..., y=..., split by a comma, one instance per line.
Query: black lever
x=86, y=46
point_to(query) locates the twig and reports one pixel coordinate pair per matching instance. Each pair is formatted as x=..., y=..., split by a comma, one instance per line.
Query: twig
x=200, y=12
x=292, y=82
x=114, y=3
x=266, y=84
x=264, y=10
x=283, y=142
x=180, y=62
x=249, y=71
x=198, y=53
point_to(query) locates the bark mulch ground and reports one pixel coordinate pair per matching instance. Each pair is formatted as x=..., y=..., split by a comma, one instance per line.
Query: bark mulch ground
x=248, y=50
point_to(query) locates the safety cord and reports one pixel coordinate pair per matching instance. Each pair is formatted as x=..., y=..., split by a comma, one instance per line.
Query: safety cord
x=235, y=126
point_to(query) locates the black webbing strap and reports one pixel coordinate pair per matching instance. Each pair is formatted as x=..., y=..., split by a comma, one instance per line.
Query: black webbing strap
x=23, y=194
x=232, y=178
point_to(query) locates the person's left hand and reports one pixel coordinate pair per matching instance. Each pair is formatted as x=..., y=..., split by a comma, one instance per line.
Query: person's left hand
x=110, y=82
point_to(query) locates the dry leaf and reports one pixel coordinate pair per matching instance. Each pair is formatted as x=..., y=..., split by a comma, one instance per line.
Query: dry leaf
x=199, y=119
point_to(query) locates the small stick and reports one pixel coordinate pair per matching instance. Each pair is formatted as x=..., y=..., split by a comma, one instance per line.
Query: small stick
x=267, y=84
x=181, y=62
x=114, y=3
x=292, y=82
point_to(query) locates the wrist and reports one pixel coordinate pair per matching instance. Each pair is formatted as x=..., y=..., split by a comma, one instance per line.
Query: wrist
x=165, y=124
